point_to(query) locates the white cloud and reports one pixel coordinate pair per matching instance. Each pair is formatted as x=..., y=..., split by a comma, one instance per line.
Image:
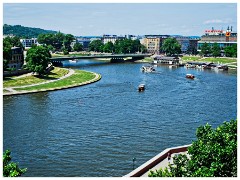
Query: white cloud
x=218, y=21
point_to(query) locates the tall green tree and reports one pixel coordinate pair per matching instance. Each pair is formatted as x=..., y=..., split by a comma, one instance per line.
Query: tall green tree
x=11, y=169
x=171, y=47
x=205, y=49
x=216, y=50
x=213, y=154
x=68, y=39
x=38, y=58
x=96, y=45
x=78, y=47
x=108, y=47
x=8, y=43
x=231, y=51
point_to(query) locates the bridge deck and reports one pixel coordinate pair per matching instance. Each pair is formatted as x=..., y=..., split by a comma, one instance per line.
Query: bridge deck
x=101, y=56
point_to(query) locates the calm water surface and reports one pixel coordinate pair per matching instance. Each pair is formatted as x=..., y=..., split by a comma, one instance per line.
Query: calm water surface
x=96, y=130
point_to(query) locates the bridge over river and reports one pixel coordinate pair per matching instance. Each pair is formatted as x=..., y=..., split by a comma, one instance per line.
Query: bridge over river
x=112, y=57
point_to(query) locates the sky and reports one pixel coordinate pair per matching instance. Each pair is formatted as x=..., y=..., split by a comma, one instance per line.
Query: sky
x=86, y=19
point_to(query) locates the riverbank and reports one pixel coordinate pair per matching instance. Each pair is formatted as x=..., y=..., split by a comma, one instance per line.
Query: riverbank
x=61, y=78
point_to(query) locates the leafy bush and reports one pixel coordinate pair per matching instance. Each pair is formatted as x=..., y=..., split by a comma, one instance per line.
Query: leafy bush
x=11, y=169
x=213, y=154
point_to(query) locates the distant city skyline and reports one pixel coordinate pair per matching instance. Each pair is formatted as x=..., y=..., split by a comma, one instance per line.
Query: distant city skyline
x=96, y=19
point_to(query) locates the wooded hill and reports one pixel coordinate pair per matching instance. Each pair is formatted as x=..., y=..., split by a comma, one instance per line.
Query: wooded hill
x=24, y=32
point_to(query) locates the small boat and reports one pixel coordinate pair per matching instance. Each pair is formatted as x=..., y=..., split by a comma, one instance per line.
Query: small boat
x=147, y=69
x=73, y=60
x=190, y=76
x=141, y=87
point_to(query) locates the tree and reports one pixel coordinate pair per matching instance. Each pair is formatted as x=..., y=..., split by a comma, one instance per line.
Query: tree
x=11, y=169
x=78, y=47
x=38, y=58
x=216, y=51
x=68, y=39
x=205, y=49
x=108, y=47
x=171, y=47
x=8, y=43
x=55, y=40
x=95, y=45
x=231, y=51
x=213, y=154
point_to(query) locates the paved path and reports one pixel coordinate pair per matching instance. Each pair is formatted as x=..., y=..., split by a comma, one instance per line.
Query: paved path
x=12, y=91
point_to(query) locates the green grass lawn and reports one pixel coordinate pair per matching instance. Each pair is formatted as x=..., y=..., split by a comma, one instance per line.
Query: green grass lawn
x=190, y=58
x=75, y=79
x=27, y=80
x=220, y=60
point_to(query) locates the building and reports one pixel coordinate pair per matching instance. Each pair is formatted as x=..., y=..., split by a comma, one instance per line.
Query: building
x=186, y=42
x=27, y=43
x=223, y=38
x=111, y=38
x=85, y=41
x=153, y=43
x=17, y=58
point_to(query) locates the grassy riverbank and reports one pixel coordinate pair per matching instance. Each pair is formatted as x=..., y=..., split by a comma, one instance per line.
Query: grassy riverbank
x=76, y=79
x=52, y=82
x=27, y=80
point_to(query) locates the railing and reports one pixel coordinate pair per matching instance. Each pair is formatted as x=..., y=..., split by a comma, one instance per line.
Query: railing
x=156, y=160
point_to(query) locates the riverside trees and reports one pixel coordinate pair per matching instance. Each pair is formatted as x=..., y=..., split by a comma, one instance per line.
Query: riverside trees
x=119, y=47
x=171, y=47
x=38, y=58
x=8, y=43
x=213, y=154
x=57, y=42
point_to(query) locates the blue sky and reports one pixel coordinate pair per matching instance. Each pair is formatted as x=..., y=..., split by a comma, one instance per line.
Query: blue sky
x=84, y=19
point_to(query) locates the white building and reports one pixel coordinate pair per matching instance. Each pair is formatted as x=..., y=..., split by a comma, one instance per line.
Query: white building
x=27, y=43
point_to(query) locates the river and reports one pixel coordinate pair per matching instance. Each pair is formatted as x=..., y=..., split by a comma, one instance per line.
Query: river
x=96, y=130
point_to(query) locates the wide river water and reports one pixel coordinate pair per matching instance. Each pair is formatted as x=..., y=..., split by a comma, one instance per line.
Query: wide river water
x=96, y=130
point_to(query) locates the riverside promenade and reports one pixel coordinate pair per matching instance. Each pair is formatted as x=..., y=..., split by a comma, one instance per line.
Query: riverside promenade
x=12, y=91
x=159, y=161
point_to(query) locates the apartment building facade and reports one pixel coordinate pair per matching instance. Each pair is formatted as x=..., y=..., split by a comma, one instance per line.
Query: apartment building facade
x=153, y=43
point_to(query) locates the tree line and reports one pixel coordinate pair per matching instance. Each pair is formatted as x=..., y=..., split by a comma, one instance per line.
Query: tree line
x=119, y=47
x=24, y=32
x=215, y=50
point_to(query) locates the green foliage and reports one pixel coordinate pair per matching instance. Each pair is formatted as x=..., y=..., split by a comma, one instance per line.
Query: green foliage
x=11, y=169
x=205, y=49
x=55, y=40
x=127, y=46
x=24, y=32
x=171, y=47
x=119, y=47
x=231, y=51
x=108, y=47
x=78, y=47
x=38, y=58
x=95, y=45
x=216, y=51
x=68, y=39
x=8, y=43
x=213, y=154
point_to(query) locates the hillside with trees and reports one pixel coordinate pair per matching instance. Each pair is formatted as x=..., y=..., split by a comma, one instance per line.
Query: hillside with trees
x=24, y=32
